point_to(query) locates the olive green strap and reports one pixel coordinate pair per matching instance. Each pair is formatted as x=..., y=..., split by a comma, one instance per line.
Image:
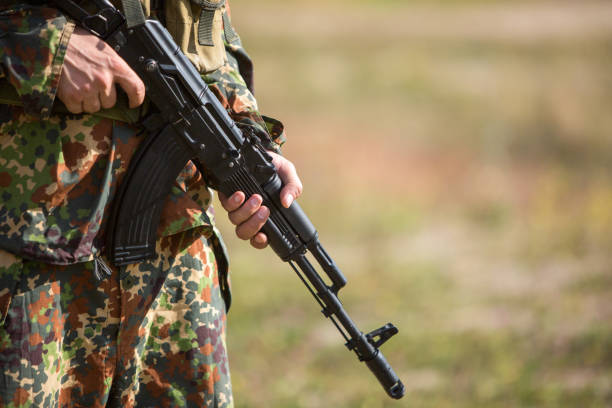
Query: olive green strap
x=133, y=12
x=230, y=34
x=205, y=25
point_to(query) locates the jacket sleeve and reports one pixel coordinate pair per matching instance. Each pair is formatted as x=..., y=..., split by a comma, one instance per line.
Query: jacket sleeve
x=33, y=41
x=233, y=85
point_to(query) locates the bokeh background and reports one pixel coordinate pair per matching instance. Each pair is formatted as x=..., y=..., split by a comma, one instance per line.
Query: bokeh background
x=457, y=161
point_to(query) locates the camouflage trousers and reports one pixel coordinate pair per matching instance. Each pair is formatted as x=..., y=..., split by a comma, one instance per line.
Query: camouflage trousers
x=150, y=335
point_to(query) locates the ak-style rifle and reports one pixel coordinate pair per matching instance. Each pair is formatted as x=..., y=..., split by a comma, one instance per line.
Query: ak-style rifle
x=189, y=123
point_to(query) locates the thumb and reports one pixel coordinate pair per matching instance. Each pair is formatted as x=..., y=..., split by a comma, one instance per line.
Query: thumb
x=292, y=185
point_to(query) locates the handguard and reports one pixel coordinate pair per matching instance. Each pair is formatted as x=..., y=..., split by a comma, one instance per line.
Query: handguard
x=191, y=124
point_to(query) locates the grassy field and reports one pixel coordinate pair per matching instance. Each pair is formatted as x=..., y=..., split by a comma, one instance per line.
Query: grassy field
x=456, y=157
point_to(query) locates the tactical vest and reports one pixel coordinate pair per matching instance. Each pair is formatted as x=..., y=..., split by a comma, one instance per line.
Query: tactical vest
x=195, y=25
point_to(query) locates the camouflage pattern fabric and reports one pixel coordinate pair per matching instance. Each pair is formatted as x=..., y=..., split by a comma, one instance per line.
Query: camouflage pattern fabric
x=33, y=42
x=59, y=176
x=151, y=335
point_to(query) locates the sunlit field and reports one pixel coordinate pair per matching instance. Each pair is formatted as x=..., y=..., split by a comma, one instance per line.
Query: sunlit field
x=457, y=162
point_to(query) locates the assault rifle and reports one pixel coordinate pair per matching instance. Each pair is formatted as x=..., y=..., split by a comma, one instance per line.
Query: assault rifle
x=191, y=124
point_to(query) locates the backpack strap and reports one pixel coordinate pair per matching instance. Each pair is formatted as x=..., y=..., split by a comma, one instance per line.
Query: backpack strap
x=205, y=25
x=133, y=12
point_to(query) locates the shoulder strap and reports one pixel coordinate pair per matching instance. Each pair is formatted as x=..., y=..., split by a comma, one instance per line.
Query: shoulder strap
x=133, y=12
x=205, y=25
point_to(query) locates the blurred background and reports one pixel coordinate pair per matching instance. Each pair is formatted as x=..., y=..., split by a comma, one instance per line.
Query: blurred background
x=457, y=161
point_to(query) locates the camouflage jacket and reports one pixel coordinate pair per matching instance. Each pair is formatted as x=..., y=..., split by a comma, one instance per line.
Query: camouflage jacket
x=56, y=184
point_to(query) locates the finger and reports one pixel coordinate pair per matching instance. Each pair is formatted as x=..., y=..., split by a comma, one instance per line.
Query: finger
x=233, y=202
x=259, y=241
x=108, y=96
x=292, y=185
x=91, y=103
x=246, y=210
x=73, y=106
x=292, y=188
x=130, y=82
x=70, y=97
x=104, y=85
x=289, y=193
x=249, y=228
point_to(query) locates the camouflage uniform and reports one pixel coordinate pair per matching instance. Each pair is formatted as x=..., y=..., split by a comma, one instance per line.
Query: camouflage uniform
x=74, y=331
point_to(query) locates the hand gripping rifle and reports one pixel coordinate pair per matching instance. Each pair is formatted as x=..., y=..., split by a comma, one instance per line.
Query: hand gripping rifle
x=191, y=124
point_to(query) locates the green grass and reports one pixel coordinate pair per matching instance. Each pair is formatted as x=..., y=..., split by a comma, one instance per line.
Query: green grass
x=456, y=161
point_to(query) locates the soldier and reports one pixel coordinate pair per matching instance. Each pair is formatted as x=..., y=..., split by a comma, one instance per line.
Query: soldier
x=75, y=331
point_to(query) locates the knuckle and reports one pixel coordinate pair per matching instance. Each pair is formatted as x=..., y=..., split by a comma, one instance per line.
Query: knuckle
x=229, y=207
x=108, y=103
x=233, y=219
x=140, y=87
x=242, y=234
x=108, y=82
x=115, y=63
x=85, y=89
x=74, y=96
x=140, y=91
x=98, y=78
